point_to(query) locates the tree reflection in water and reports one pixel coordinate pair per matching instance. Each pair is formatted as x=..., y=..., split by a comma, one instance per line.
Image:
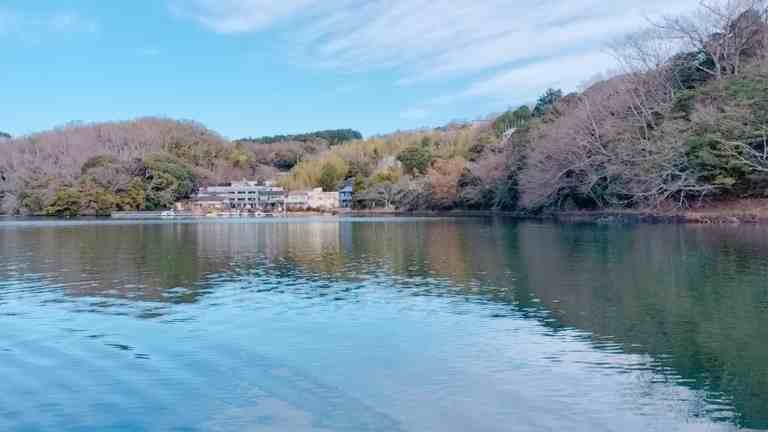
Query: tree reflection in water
x=693, y=299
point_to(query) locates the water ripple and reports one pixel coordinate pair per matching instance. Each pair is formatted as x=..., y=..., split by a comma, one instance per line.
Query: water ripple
x=381, y=325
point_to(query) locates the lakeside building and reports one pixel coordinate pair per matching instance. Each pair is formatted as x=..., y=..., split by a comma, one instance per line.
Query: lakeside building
x=297, y=201
x=205, y=203
x=345, y=196
x=243, y=195
x=316, y=199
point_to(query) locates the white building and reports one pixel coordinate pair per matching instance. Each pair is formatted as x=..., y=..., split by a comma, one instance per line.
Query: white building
x=315, y=199
x=246, y=195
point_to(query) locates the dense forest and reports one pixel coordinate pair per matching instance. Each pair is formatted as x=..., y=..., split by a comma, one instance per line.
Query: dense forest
x=332, y=137
x=682, y=123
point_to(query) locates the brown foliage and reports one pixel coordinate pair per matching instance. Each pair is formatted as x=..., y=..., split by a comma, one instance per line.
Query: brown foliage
x=63, y=151
x=609, y=148
x=444, y=180
x=47, y=161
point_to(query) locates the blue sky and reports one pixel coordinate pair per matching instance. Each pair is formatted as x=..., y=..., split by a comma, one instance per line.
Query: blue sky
x=259, y=67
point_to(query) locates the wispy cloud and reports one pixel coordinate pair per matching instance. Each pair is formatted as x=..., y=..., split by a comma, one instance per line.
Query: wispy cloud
x=528, y=80
x=237, y=16
x=492, y=42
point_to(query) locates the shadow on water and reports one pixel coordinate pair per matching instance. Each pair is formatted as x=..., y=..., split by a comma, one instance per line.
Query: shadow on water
x=694, y=299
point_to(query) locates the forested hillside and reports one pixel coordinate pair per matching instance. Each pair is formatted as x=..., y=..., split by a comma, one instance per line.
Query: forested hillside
x=685, y=121
x=144, y=164
x=283, y=152
x=93, y=169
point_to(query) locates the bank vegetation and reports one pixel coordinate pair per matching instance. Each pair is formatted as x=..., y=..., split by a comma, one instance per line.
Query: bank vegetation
x=681, y=123
x=144, y=164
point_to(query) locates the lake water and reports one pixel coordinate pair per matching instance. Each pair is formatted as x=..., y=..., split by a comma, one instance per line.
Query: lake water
x=392, y=324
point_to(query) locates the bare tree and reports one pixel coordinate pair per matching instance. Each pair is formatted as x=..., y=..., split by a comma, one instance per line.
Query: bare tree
x=727, y=31
x=384, y=193
x=608, y=146
x=47, y=160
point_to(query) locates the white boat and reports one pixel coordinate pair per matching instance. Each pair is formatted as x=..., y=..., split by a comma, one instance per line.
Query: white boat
x=168, y=214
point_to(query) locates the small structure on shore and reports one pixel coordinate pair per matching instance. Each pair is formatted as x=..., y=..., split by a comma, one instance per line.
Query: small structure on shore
x=315, y=199
x=204, y=203
x=346, y=194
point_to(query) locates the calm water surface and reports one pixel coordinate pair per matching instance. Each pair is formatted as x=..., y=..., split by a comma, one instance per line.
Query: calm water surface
x=382, y=325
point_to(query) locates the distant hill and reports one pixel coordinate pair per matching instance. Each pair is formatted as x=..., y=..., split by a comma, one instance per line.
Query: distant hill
x=94, y=169
x=332, y=137
x=4, y=135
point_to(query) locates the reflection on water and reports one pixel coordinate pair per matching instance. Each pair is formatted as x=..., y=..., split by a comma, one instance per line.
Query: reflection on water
x=382, y=325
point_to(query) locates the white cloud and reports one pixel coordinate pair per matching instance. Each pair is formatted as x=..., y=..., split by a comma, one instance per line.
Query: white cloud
x=528, y=81
x=414, y=114
x=237, y=16
x=492, y=42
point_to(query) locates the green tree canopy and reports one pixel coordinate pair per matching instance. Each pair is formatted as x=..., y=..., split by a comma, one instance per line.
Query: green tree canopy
x=329, y=177
x=66, y=203
x=512, y=119
x=689, y=69
x=97, y=162
x=547, y=101
x=170, y=180
x=415, y=159
x=333, y=137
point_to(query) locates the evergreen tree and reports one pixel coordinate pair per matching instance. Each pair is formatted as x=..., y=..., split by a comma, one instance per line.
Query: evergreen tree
x=547, y=101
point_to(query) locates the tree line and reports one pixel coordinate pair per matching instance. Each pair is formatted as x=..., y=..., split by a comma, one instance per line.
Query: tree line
x=676, y=126
x=331, y=137
x=144, y=164
x=683, y=122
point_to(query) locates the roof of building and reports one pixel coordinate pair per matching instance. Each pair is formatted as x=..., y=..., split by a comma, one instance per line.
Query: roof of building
x=209, y=198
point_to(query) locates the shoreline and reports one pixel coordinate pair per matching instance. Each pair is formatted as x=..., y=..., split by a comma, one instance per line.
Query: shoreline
x=754, y=212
